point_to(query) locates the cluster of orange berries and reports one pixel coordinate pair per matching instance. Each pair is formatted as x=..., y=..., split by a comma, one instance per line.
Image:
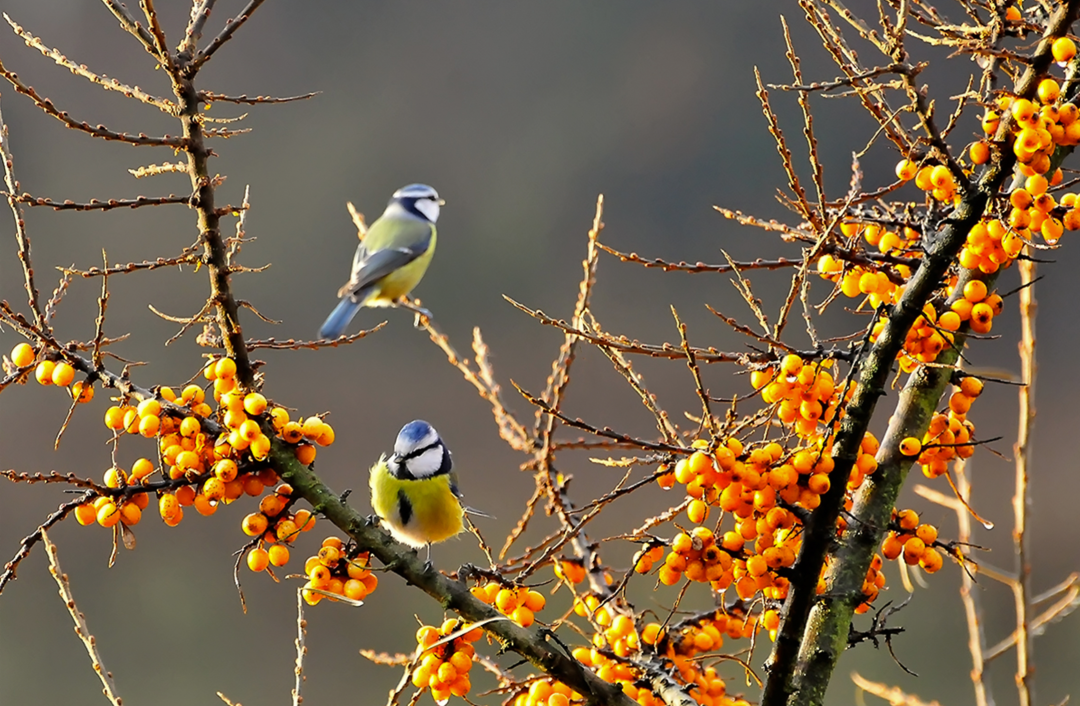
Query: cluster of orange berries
x=235, y=411
x=548, y=692
x=106, y=510
x=684, y=643
x=333, y=571
x=518, y=603
x=948, y=435
x=912, y=540
x=621, y=637
x=277, y=526
x=933, y=333
x=861, y=280
x=618, y=631
x=992, y=244
x=51, y=372
x=444, y=668
x=872, y=585
x=749, y=486
x=806, y=393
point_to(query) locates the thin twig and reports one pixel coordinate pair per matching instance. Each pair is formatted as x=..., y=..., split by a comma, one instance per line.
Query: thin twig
x=81, y=627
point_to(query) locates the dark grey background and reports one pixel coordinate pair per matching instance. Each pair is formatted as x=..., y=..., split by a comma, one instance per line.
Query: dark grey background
x=520, y=115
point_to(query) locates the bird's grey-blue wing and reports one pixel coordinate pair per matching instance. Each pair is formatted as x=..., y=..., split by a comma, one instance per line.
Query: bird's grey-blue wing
x=371, y=266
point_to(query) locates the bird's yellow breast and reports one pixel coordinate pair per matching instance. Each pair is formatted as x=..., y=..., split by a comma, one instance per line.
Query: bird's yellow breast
x=417, y=512
x=401, y=281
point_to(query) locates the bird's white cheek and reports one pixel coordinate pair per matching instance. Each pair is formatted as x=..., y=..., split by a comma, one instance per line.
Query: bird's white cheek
x=426, y=463
x=429, y=208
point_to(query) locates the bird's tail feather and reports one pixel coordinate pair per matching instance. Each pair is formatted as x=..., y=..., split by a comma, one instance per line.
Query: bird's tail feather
x=340, y=317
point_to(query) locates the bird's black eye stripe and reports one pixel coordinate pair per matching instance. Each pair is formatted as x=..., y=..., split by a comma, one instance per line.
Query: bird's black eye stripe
x=418, y=452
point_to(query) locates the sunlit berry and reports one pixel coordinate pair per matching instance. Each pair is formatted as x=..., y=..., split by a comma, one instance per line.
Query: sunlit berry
x=305, y=454
x=254, y=404
x=22, y=355
x=258, y=559
x=1063, y=50
x=44, y=372
x=279, y=554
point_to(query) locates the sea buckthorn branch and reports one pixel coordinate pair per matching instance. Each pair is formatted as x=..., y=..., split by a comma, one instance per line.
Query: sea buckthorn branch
x=28, y=542
x=225, y=35
x=105, y=82
x=101, y=131
x=136, y=30
x=801, y=203
x=453, y=595
x=96, y=205
x=560, y=367
x=209, y=97
x=667, y=350
x=826, y=622
x=847, y=61
x=188, y=257
x=21, y=238
x=82, y=629
x=510, y=429
x=293, y=345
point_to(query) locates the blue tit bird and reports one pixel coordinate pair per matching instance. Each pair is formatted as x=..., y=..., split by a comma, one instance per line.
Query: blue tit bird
x=391, y=259
x=414, y=491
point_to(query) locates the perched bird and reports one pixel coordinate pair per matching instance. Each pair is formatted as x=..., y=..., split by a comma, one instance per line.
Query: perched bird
x=391, y=259
x=415, y=490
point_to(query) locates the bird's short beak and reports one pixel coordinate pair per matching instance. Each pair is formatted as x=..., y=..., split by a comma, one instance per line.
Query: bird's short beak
x=442, y=202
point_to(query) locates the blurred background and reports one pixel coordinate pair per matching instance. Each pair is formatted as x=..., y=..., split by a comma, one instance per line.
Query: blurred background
x=520, y=115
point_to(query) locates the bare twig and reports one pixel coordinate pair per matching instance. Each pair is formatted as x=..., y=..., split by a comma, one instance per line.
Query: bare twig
x=81, y=627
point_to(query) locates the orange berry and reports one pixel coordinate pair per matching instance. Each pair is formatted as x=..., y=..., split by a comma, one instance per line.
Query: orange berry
x=1048, y=90
x=260, y=447
x=22, y=355
x=910, y=446
x=185, y=495
x=44, y=372
x=148, y=426
x=108, y=514
x=279, y=554
x=225, y=368
x=292, y=432
x=115, y=478
x=279, y=417
x=312, y=428
x=305, y=454
x=254, y=524
x=522, y=616
x=327, y=437
x=982, y=317
x=980, y=153
x=258, y=559
x=972, y=387
x=192, y=394
x=908, y=520
x=535, y=601
x=927, y=533
x=697, y=511
x=130, y=514
x=1063, y=50
x=204, y=505
x=63, y=374
x=254, y=403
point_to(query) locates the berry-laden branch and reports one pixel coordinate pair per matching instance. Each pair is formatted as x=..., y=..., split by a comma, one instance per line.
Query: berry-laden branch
x=816, y=630
x=532, y=644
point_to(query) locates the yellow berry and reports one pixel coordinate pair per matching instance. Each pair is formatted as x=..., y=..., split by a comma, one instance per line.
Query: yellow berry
x=22, y=355
x=44, y=372
x=254, y=403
